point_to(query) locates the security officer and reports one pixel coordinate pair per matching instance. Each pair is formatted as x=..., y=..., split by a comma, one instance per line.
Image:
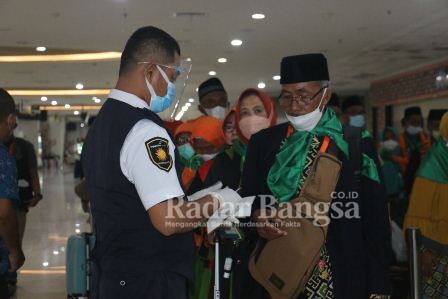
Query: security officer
x=143, y=248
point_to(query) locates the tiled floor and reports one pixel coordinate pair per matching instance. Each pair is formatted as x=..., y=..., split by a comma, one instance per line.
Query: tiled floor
x=49, y=224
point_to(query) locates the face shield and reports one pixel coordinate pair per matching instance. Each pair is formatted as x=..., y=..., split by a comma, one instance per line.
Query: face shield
x=180, y=82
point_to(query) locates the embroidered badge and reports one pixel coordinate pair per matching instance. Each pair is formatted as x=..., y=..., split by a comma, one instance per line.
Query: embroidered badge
x=159, y=153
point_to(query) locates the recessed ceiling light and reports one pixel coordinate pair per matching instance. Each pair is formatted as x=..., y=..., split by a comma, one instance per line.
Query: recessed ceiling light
x=212, y=73
x=67, y=106
x=191, y=100
x=45, y=264
x=55, y=252
x=258, y=16
x=184, y=109
x=44, y=99
x=76, y=112
x=79, y=86
x=41, y=49
x=82, y=125
x=78, y=231
x=222, y=60
x=261, y=85
x=97, y=100
x=54, y=103
x=197, y=89
x=188, y=59
x=236, y=42
x=276, y=77
x=188, y=104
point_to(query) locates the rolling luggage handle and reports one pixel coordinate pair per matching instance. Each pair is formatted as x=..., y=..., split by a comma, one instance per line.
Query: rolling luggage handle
x=413, y=237
x=217, y=291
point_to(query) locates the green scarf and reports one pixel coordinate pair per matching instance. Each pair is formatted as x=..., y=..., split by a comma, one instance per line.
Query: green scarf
x=241, y=149
x=284, y=175
x=434, y=166
x=193, y=163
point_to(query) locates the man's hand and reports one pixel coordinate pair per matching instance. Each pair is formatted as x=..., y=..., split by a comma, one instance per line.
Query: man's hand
x=16, y=260
x=266, y=226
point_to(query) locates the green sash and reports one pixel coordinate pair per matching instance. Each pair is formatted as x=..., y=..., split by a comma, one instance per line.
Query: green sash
x=434, y=166
x=284, y=176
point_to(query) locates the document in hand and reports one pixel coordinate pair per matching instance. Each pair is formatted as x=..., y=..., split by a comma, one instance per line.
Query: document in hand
x=229, y=216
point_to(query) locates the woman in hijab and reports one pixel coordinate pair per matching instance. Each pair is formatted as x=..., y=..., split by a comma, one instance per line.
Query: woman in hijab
x=428, y=210
x=254, y=111
x=189, y=160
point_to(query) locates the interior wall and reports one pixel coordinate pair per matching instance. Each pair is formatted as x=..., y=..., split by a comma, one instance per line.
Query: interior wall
x=425, y=105
x=29, y=130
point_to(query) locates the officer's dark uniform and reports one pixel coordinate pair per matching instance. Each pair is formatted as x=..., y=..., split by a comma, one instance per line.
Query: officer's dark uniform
x=135, y=260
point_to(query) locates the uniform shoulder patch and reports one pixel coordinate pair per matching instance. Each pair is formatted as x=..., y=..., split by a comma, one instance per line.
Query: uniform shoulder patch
x=159, y=153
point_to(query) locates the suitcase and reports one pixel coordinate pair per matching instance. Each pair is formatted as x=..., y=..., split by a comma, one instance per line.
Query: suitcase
x=79, y=265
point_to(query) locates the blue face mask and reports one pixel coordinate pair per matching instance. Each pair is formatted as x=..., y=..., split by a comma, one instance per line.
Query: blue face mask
x=158, y=103
x=358, y=121
x=186, y=151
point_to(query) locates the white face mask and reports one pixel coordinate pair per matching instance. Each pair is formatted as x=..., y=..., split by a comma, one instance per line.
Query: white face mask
x=308, y=121
x=217, y=112
x=250, y=125
x=208, y=157
x=390, y=144
x=412, y=130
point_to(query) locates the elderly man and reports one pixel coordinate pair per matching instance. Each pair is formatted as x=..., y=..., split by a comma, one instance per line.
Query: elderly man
x=352, y=260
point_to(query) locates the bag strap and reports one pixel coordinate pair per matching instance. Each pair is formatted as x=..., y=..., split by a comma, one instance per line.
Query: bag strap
x=353, y=136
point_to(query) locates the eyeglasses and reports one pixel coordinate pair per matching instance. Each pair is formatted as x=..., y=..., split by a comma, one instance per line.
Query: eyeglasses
x=286, y=99
x=177, y=69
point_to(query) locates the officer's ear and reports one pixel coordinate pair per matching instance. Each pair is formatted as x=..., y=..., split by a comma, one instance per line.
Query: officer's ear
x=12, y=122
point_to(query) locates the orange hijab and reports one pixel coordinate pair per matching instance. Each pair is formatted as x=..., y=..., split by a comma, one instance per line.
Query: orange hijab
x=268, y=106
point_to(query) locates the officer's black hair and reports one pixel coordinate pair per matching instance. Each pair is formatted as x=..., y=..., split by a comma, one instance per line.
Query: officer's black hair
x=351, y=101
x=148, y=43
x=7, y=105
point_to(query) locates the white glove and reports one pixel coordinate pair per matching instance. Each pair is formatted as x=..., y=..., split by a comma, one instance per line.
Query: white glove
x=204, y=192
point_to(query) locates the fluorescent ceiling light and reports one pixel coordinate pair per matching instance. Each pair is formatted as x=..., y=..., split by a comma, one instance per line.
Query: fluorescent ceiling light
x=61, y=57
x=41, y=49
x=212, y=73
x=222, y=60
x=261, y=85
x=72, y=108
x=276, y=77
x=58, y=92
